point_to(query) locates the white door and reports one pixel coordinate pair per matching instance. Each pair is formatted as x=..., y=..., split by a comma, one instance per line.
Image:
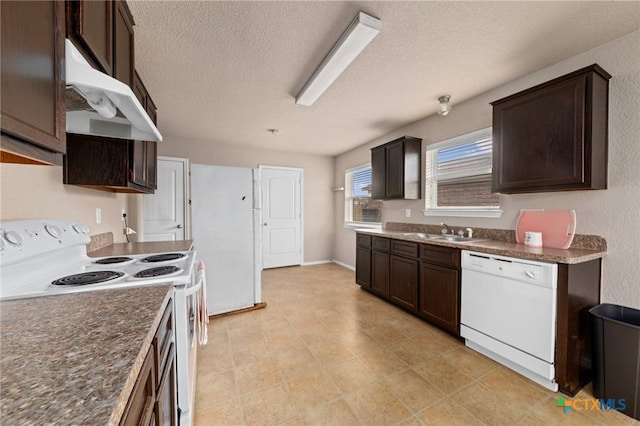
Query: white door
x=164, y=211
x=281, y=216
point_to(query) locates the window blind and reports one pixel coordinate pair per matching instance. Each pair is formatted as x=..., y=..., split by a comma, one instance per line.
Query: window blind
x=458, y=172
x=359, y=207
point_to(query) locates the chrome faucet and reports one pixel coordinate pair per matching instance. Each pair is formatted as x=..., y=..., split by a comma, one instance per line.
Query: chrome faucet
x=446, y=229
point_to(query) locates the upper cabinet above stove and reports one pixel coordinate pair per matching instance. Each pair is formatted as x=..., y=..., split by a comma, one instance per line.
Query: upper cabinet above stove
x=115, y=165
x=553, y=137
x=33, y=105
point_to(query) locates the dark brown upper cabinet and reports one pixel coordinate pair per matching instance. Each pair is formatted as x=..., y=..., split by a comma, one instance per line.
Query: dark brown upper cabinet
x=115, y=165
x=90, y=27
x=553, y=137
x=395, y=169
x=123, y=44
x=103, y=32
x=33, y=105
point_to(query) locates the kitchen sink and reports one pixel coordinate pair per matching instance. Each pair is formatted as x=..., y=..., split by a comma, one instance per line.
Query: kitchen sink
x=423, y=235
x=448, y=237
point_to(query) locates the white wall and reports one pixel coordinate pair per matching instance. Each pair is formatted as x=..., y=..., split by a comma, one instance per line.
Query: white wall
x=318, y=180
x=613, y=213
x=33, y=191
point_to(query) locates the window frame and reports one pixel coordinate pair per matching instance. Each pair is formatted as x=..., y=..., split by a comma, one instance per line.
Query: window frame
x=352, y=224
x=457, y=211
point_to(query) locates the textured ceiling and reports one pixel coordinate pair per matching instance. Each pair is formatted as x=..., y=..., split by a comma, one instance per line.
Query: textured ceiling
x=229, y=71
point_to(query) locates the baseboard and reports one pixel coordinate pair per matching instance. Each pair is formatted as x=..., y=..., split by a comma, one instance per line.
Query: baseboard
x=344, y=265
x=316, y=262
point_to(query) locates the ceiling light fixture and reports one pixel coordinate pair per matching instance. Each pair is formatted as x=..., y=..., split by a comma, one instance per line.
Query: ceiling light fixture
x=445, y=107
x=358, y=35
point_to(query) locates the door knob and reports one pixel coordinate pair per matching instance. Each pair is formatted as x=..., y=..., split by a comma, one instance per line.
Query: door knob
x=265, y=224
x=179, y=226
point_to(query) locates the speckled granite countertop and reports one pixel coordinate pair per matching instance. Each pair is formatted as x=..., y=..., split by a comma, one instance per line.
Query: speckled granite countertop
x=122, y=249
x=73, y=359
x=499, y=246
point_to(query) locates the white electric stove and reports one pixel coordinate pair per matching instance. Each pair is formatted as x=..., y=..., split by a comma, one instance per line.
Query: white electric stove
x=49, y=257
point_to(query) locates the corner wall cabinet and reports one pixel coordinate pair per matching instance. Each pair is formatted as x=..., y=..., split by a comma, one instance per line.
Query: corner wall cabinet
x=553, y=137
x=395, y=169
x=33, y=116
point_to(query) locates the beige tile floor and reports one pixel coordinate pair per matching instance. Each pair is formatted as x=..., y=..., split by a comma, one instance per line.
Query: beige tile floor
x=325, y=352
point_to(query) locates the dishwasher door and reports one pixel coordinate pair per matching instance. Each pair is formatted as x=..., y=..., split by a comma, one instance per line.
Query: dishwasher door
x=509, y=305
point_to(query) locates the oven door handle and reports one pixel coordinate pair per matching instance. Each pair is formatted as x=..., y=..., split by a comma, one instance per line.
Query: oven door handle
x=191, y=290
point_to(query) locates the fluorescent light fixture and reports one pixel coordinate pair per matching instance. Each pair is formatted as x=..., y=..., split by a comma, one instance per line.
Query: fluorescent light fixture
x=358, y=35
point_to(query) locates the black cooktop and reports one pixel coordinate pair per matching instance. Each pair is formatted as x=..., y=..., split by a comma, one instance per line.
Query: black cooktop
x=85, y=278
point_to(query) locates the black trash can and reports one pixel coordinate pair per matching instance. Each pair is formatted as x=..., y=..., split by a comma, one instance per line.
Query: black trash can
x=615, y=340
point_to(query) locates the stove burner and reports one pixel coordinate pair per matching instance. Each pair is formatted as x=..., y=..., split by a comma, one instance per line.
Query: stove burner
x=163, y=257
x=157, y=272
x=88, y=278
x=110, y=260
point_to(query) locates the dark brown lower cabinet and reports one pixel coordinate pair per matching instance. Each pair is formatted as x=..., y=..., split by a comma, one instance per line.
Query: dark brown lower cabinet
x=380, y=273
x=141, y=404
x=403, y=288
x=440, y=296
x=153, y=400
x=363, y=267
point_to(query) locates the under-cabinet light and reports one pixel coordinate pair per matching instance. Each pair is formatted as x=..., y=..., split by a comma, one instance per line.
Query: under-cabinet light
x=358, y=35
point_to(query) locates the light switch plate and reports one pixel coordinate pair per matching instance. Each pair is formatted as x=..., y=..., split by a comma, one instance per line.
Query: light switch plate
x=98, y=216
x=407, y=212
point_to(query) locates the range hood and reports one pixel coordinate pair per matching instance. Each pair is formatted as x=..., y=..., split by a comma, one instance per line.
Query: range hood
x=100, y=105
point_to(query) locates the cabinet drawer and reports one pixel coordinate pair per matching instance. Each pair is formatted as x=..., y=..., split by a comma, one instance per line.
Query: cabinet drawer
x=446, y=256
x=380, y=243
x=163, y=339
x=363, y=240
x=404, y=248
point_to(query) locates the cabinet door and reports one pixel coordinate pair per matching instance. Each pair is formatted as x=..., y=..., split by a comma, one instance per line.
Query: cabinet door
x=123, y=44
x=33, y=105
x=380, y=273
x=141, y=405
x=440, y=296
x=363, y=267
x=404, y=282
x=378, y=173
x=166, y=410
x=394, y=179
x=152, y=164
x=138, y=162
x=90, y=27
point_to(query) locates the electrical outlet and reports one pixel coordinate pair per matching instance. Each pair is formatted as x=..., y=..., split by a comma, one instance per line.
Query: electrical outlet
x=98, y=216
x=123, y=214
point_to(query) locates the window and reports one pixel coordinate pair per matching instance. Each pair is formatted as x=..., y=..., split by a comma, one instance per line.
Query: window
x=359, y=209
x=458, y=177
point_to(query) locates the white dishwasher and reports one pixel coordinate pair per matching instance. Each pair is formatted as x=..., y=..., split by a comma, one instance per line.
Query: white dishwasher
x=508, y=313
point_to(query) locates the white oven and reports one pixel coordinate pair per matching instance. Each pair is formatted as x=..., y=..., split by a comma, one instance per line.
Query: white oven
x=188, y=303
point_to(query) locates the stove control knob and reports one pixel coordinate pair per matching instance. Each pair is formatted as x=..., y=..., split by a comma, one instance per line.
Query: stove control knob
x=53, y=230
x=13, y=238
x=80, y=229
